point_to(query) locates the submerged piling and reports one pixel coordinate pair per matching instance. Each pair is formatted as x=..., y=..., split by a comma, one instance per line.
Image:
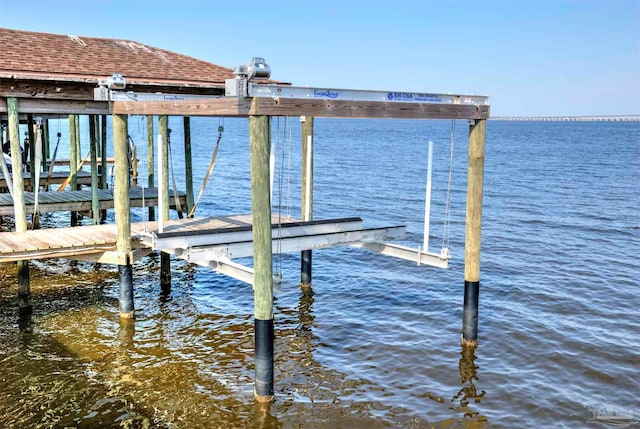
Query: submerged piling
x=188, y=164
x=123, y=216
x=150, y=164
x=259, y=137
x=74, y=156
x=307, y=194
x=477, y=132
x=103, y=160
x=20, y=213
x=163, y=194
x=93, y=148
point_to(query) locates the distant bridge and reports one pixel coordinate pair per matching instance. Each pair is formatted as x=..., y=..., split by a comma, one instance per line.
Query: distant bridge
x=619, y=118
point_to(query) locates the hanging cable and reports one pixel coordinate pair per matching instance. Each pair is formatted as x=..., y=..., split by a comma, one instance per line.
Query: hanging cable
x=52, y=163
x=144, y=162
x=277, y=272
x=69, y=178
x=5, y=170
x=447, y=209
x=38, y=164
x=212, y=164
x=176, y=197
x=289, y=174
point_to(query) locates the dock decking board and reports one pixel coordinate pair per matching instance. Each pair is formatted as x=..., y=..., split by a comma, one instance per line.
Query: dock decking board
x=57, y=178
x=88, y=239
x=81, y=200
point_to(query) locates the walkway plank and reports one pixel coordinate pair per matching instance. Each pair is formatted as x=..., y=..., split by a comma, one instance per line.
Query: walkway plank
x=57, y=178
x=81, y=200
x=96, y=239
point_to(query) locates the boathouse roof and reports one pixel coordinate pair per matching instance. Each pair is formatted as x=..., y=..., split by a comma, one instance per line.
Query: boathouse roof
x=28, y=55
x=53, y=74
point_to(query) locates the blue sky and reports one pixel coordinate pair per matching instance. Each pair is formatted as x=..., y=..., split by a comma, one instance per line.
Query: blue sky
x=533, y=58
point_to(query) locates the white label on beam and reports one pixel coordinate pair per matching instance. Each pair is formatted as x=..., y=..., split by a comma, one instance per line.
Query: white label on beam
x=278, y=91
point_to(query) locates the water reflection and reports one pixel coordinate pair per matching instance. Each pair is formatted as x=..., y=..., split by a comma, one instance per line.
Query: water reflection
x=25, y=322
x=469, y=392
x=305, y=313
x=126, y=333
x=186, y=362
x=264, y=419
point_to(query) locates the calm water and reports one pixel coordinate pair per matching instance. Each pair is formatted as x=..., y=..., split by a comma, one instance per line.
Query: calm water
x=377, y=344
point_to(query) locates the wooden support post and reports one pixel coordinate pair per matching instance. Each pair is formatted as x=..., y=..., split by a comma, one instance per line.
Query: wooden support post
x=477, y=133
x=188, y=163
x=35, y=217
x=163, y=190
x=103, y=161
x=259, y=136
x=24, y=283
x=74, y=148
x=46, y=145
x=103, y=152
x=307, y=193
x=93, y=149
x=150, y=163
x=123, y=215
x=31, y=151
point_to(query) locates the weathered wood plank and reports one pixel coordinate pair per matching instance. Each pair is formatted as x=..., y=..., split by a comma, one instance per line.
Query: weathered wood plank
x=98, y=242
x=58, y=177
x=32, y=88
x=366, y=109
x=81, y=200
x=235, y=106
x=221, y=106
x=60, y=107
x=66, y=162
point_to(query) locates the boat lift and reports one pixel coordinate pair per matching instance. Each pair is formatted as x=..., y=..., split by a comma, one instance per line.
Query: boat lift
x=217, y=249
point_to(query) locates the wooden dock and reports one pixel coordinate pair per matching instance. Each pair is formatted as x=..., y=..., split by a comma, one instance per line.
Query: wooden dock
x=211, y=242
x=57, y=178
x=69, y=242
x=81, y=200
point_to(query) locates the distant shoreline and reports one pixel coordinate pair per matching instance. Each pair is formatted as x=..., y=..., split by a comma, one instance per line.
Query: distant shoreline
x=603, y=118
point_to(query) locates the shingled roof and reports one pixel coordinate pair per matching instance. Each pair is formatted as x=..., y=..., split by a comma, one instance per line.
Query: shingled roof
x=45, y=56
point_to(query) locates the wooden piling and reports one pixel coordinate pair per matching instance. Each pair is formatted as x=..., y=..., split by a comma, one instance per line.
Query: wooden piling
x=24, y=283
x=74, y=148
x=35, y=218
x=188, y=163
x=163, y=190
x=477, y=133
x=150, y=163
x=259, y=136
x=103, y=152
x=46, y=145
x=93, y=150
x=123, y=216
x=307, y=194
x=32, y=152
x=103, y=160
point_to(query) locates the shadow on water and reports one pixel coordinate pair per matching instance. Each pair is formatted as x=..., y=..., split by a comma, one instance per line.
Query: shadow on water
x=47, y=385
x=74, y=364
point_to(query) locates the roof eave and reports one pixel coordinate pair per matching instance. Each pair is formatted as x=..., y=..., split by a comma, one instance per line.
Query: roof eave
x=89, y=79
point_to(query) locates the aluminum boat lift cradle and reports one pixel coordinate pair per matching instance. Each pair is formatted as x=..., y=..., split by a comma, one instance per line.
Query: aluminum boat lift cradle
x=217, y=248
